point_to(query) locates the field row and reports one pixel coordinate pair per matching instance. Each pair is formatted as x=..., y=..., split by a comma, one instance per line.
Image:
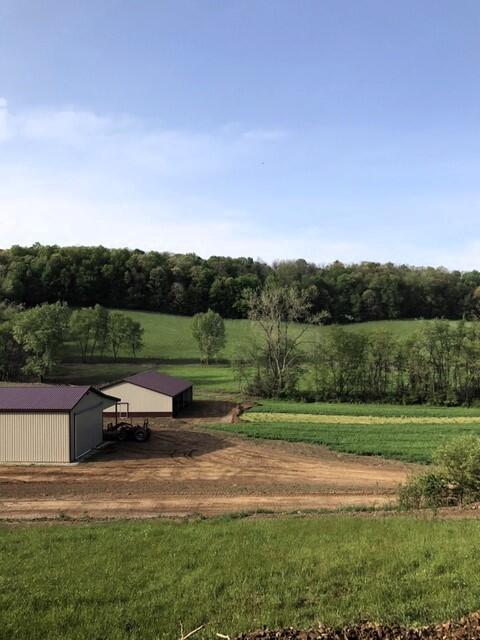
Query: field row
x=407, y=442
x=264, y=417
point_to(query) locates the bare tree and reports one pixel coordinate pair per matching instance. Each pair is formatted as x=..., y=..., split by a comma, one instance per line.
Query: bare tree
x=271, y=363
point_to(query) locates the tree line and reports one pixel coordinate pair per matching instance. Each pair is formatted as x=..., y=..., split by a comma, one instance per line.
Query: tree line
x=439, y=364
x=187, y=284
x=33, y=341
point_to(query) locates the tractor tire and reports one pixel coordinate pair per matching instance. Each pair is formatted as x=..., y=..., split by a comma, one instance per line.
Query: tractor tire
x=122, y=435
x=140, y=435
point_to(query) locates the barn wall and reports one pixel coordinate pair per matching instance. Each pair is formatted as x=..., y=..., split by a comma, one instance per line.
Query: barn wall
x=86, y=424
x=34, y=437
x=141, y=401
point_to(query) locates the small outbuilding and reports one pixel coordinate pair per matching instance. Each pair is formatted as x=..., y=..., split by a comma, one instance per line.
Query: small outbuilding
x=149, y=394
x=50, y=423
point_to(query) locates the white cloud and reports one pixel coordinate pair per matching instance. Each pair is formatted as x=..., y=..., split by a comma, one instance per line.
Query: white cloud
x=124, y=140
x=71, y=176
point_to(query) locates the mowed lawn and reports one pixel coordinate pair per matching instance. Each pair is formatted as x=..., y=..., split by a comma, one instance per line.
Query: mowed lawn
x=408, y=433
x=142, y=579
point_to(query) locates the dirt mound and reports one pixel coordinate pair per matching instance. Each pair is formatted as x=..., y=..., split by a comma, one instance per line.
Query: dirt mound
x=468, y=628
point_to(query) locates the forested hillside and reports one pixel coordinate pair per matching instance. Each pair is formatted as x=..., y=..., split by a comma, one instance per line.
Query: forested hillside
x=187, y=284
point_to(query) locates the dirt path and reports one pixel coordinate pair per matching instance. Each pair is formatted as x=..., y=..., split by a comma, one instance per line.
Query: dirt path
x=185, y=469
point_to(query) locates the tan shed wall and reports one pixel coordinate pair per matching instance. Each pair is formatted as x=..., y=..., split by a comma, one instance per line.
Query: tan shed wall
x=140, y=400
x=86, y=423
x=34, y=437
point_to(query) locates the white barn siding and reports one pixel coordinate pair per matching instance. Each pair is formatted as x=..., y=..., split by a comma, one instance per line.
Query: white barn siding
x=34, y=436
x=140, y=400
x=86, y=424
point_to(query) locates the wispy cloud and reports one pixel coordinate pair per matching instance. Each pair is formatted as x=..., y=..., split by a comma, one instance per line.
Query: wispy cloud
x=123, y=139
x=73, y=176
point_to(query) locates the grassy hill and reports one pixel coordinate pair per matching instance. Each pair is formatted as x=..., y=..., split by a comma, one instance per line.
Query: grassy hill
x=169, y=338
x=170, y=348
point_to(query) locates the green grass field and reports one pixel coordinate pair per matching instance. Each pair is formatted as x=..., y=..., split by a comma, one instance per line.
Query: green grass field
x=141, y=580
x=170, y=348
x=383, y=410
x=408, y=433
x=214, y=381
x=406, y=442
x=168, y=338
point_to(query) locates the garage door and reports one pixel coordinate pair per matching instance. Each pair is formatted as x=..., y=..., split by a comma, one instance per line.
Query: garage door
x=87, y=430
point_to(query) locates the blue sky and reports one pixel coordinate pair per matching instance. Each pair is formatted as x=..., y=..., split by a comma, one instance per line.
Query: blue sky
x=321, y=129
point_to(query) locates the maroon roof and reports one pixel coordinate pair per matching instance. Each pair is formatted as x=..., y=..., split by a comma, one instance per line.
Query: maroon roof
x=48, y=398
x=159, y=382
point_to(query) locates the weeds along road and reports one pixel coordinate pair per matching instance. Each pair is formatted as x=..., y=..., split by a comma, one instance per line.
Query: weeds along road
x=185, y=469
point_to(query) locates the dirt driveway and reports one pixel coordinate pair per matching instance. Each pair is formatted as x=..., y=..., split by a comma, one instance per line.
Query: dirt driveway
x=185, y=469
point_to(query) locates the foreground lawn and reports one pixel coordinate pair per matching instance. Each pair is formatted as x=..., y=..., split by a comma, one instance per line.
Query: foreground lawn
x=140, y=580
x=410, y=442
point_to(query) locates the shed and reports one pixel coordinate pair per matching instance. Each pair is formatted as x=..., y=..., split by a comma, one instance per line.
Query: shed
x=150, y=394
x=50, y=423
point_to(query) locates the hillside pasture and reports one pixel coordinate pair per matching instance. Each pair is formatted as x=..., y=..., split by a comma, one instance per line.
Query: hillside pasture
x=168, y=338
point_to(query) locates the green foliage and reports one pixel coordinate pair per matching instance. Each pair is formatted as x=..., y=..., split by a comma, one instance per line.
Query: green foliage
x=12, y=355
x=41, y=332
x=439, y=364
x=82, y=330
x=228, y=575
x=134, y=336
x=427, y=491
x=456, y=479
x=208, y=329
x=187, y=284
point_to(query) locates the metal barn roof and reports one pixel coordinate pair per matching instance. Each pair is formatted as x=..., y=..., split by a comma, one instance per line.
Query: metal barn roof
x=48, y=398
x=167, y=385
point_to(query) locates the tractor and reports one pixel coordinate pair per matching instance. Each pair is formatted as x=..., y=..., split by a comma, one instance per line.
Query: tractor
x=122, y=431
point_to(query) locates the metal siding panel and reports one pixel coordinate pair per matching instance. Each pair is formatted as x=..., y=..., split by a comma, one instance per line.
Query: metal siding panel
x=88, y=417
x=141, y=400
x=34, y=437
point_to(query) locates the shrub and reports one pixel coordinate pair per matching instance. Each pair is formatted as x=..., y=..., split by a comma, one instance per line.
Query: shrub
x=426, y=491
x=456, y=480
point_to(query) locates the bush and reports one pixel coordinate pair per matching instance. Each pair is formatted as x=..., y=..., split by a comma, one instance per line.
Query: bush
x=455, y=481
x=427, y=491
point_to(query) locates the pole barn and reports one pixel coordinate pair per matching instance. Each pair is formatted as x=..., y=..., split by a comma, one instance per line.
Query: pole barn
x=150, y=394
x=54, y=424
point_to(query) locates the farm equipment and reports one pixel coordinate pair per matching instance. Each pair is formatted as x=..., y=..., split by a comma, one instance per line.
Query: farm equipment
x=122, y=431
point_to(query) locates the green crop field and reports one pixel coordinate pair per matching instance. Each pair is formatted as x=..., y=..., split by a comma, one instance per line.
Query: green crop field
x=142, y=579
x=382, y=410
x=404, y=433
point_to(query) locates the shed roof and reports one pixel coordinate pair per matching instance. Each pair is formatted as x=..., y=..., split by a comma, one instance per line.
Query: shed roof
x=159, y=382
x=48, y=398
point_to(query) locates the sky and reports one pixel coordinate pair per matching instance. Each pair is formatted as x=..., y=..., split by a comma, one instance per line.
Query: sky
x=316, y=129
